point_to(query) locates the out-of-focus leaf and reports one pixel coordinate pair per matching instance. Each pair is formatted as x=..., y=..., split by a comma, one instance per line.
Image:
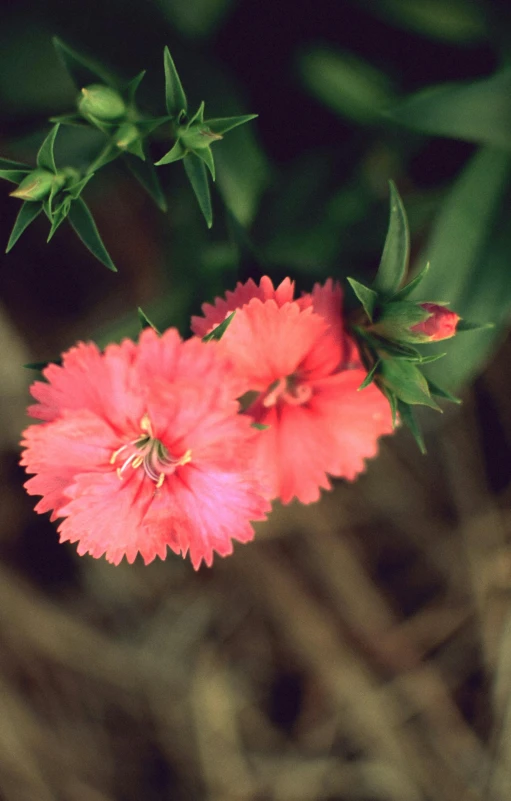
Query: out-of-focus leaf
x=14, y=176
x=469, y=254
x=196, y=172
x=175, y=97
x=28, y=212
x=145, y=174
x=45, y=155
x=411, y=285
x=346, y=84
x=242, y=173
x=407, y=416
x=221, y=125
x=396, y=252
x=8, y=164
x=83, y=223
x=145, y=322
x=82, y=71
x=131, y=88
x=459, y=21
x=195, y=19
x=476, y=111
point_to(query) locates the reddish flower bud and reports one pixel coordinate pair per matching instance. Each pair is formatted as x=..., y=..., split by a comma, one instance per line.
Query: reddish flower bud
x=441, y=324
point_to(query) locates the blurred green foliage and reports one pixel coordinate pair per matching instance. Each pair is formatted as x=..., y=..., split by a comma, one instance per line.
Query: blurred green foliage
x=344, y=97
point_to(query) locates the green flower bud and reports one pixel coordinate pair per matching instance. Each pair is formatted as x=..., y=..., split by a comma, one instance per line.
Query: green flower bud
x=126, y=135
x=101, y=102
x=197, y=137
x=36, y=186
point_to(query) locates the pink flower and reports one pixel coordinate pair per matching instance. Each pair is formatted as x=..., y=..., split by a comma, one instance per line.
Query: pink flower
x=301, y=372
x=441, y=324
x=143, y=448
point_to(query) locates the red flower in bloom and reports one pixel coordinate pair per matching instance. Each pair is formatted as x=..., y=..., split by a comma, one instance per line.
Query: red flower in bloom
x=441, y=324
x=302, y=372
x=143, y=448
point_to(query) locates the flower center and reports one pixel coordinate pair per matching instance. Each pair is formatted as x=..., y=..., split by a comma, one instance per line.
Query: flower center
x=148, y=452
x=289, y=390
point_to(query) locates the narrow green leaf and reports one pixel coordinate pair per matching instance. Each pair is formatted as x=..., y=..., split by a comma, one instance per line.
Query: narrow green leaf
x=145, y=322
x=145, y=174
x=433, y=358
x=396, y=252
x=407, y=382
x=40, y=366
x=413, y=284
x=442, y=393
x=82, y=71
x=74, y=190
x=221, y=125
x=132, y=86
x=70, y=119
x=45, y=155
x=464, y=325
x=219, y=331
x=198, y=116
x=196, y=172
x=14, y=176
x=109, y=153
x=408, y=418
x=370, y=376
x=207, y=157
x=27, y=214
x=392, y=403
x=59, y=215
x=174, y=93
x=83, y=223
x=8, y=164
x=366, y=296
x=176, y=153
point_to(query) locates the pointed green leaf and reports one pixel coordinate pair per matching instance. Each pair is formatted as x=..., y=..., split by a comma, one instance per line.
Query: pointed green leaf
x=145, y=174
x=176, y=153
x=396, y=252
x=14, y=176
x=83, y=223
x=40, y=366
x=109, y=153
x=59, y=215
x=408, y=289
x=370, y=376
x=27, y=214
x=433, y=358
x=408, y=418
x=392, y=403
x=74, y=190
x=132, y=86
x=45, y=155
x=70, y=119
x=366, y=296
x=149, y=124
x=407, y=382
x=442, y=393
x=198, y=116
x=137, y=149
x=196, y=172
x=174, y=93
x=219, y=331
x=464, y=325
x=221, y=125
x=82, y=71
x=145, y=322
x=207, y=157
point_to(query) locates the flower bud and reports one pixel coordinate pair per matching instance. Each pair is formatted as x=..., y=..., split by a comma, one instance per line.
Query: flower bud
x=441, y=323
x=36, y=186
x=102, y=102
x=126, y=135
x=197, y=137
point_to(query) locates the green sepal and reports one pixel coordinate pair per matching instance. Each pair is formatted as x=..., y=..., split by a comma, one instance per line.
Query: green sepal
x=136, y=148
x=75, y=190
x=408, y=289
x=70, y=119
x=145, y=322
x=46, y=155
x=407, y=382
x=175, y=97
x=146, y=175
x=8, y=164
x=464, y=325
x=196, y=172
x=370, y=376
x=260, y=426
x=207, y=157
x=407, y=416
x=27, y=214
x=82, y=71
x=442, y=393
x=219, y=331
x=366, y=296
x=221, y=125
x=198, y=116
x=83, y=223
x=396, y=251
x=14, y=176
x=396, y=349
x=131, y=87
x=433, y=358
x=40, y=366
x=392, y=403
x=176, y=153
x=59, y=215
x=396, y=319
